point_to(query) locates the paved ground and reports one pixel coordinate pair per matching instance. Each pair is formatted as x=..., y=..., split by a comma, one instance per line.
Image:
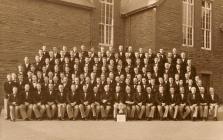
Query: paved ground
x=110, y=130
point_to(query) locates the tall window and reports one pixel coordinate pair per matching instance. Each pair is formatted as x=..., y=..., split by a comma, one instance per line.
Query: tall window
x=106, y=23
x=188, y=23
x=206, y=24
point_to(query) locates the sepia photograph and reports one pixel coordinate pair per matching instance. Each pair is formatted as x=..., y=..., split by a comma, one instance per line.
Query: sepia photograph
x=111, y=69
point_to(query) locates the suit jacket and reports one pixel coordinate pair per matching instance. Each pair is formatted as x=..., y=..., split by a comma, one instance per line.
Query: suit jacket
x=107, y=96
x=183, y=99
x=26, y=68
x=192, y=99
x=51, y=96
x=214, y=100
x=203, y=98
x=73, y=97
x=27, y=97
x=61, y=97
x=173, y=99
x=161, y=98
x=8, y=88
x=85, y=97
x=150, y=98
x=129, y=98
x=39, y=97
x=96, y=97
x=119, y=97
x=139, y=98
x=15, y=98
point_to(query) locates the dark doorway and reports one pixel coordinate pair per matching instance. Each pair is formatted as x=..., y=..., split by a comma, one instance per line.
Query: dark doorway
x=206, y=81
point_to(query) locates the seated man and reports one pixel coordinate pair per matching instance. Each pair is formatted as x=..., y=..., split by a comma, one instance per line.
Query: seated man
x=119, y=102
x=162, y=103
x=50, y=102
x=61, y=102
x=193, y=103
x=96, y=101
x=26, y=106
x=203, y=104
x=139, y=99
x=130, y=104
x=173, y=103
x=184, y=109
x=85, y=103
x=213, y=103
x=150, y=104
x=39, y=102
x=106, y=102
x=73, y=103
x=14, y=102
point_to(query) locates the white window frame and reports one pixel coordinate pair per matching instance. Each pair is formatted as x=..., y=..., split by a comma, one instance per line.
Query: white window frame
x=188, y=23
x=107, y=36
x=206, y=25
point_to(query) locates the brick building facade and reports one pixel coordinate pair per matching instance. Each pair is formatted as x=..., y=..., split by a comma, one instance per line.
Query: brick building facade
x=26, y=25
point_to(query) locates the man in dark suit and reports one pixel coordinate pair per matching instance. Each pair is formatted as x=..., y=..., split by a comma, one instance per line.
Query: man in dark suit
x=130, y=104
x=193, y=101
x=213, y=103
x=39, y=107
x=8, y=85
x=96, y=101
x=14, y=103
x=150, y=103
x=184, y=109
x=51, y=101
x=203, y=104
x=85, y=102
x=173, y=103
x=45, y=52
x=119, y=102
x=162, y=103
x=26, y=65
x=106, y=102
x=175, y=55
x=61, y=102
x=73, y=103
x=139, y=99
x=26, y=107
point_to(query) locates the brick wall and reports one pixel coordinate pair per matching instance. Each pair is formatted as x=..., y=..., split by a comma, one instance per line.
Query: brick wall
x=140, y=30
x=26, y=25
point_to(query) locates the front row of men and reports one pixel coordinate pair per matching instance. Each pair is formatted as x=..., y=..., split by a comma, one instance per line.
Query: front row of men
x=135, y=104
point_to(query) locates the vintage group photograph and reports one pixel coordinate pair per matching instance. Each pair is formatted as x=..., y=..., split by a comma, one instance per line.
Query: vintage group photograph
x=111, y=69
